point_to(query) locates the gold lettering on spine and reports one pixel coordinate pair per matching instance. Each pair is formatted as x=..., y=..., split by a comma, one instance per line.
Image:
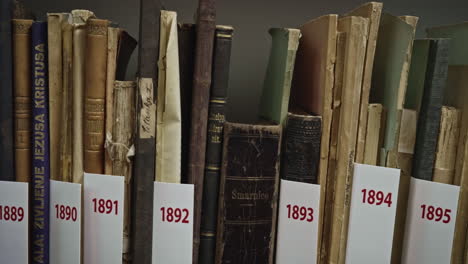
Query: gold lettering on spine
x=94, y=123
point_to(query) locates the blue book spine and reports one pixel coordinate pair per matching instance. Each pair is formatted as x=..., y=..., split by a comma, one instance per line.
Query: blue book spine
x=41, y=170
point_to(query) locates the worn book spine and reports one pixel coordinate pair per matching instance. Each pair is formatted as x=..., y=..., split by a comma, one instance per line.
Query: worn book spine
x=187, y=35
x=66, y=125
x=22, y=97
x=199, y=118
x=444, y=167
x=248, y=194
x=145, y=145
x=429, y=116
x=40, y=163
x=121, y=147
x=374, y=134
x=216, y=119
x=79, y=47
x=95, y=95
x=301, y=148
x=277, y=86
x=7, y=166
x=113, y=35
x=168, y=113
x=54, y=39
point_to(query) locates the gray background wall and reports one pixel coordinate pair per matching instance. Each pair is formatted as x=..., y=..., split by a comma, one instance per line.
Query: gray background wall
x=251, y=20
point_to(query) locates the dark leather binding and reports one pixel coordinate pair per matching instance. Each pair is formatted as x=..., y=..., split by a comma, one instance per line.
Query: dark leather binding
x=187, y=35
x=7, y=166
x=301, y=148
x=40, y=192
x=248, y=194
x=199, y=118
x=145, y=143
x=216, y=119
x=430, y=112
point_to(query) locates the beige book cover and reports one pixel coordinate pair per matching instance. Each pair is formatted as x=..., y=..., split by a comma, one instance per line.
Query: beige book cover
x=79, y=49
x=356, y=29
x=66, y=123
x=168, y=119
x=374, y=134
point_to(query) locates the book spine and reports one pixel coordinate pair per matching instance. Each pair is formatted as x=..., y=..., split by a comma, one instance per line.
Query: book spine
x=40, y=156
x=122, y=142
x=145, y=145
x=277, y=85
x=7, y=166
x=216, y=119
x=444, y=167
x=374, y=134
x=248, y=194
x=429, y=116
x=22, y=97
x=301, y=148
x=54, y=38
x=66, y=152
x=200, y=97
x=187, y=35
x=95, y=95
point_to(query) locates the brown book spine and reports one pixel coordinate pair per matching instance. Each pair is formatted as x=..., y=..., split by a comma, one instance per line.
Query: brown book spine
x=66, y=158
x=200, y=100
x=22, y=97
x=248, y=194
x=95, y=95
x=121, y=145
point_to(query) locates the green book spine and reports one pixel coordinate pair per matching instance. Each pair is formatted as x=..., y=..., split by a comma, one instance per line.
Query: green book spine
x=277, y=85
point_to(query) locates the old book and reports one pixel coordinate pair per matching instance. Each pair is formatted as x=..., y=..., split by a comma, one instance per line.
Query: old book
x=444, y=166
x=122, y=147
x=395, y=38
x=429, y=116
x=40, y=156
x=145, y=145
x=417, y=74
x=312, y=91
x=95, y=94
x=356, y=30
x=187, y=35
x=371, y=11
x=113, y=35
x=216, y=119
x=200, y=100
x=168, y=113
x=248, y=194
x=78, y=64
x=55, y=21
x=276, y=88
x=7, y=165
x=22, y=97
x=374, y=134
x=66, y=124
x=301, y=148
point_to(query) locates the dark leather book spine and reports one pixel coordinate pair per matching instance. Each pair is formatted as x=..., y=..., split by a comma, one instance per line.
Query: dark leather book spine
x=145, y=143
x=187, y=35
x=216, y=119
x=301, y=148
x=430, y=112
x=199, y=118
x=248, y=194
x=7, y=166
x=41, y=166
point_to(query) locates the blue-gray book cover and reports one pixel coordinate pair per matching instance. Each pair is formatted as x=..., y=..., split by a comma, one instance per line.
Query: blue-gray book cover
x=41, y=167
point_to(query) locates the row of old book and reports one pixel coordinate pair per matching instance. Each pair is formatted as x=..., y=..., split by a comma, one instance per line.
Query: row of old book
x=340, y=89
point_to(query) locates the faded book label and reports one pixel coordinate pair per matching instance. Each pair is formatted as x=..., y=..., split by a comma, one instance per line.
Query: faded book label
x=147, y=126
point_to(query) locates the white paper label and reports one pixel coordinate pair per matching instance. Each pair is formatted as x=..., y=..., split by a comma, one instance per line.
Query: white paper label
x=65, y=222
x=298, y=223
x=172, y=223
x=14, y=215
x=103, y=218
x=372, y=214
x=430, y=222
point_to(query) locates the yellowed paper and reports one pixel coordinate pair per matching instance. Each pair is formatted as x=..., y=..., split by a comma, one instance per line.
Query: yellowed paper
x=168, y=124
